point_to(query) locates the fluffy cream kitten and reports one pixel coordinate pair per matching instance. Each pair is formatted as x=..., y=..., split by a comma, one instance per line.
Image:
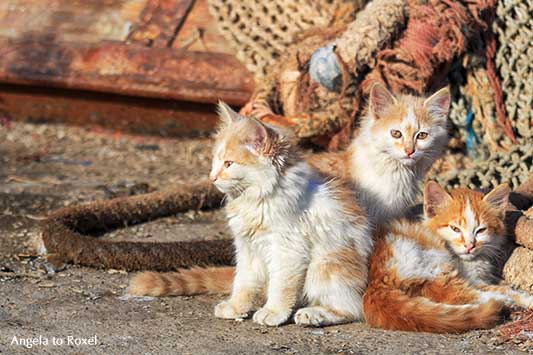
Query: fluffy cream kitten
x=421, y=275
x=399, y=139
x=301, y=239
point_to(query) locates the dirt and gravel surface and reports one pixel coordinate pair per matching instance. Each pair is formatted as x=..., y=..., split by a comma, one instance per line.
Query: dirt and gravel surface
x=44, y=167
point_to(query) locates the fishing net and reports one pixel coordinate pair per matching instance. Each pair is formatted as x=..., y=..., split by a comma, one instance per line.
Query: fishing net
x=261, y=31
x=481, y=47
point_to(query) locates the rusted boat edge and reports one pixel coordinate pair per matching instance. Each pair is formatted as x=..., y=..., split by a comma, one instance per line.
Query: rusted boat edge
x=126, y=69
x=112, y=112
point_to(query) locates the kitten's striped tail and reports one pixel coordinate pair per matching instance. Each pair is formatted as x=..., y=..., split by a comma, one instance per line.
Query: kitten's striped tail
x=192, y=281
x=390, y=308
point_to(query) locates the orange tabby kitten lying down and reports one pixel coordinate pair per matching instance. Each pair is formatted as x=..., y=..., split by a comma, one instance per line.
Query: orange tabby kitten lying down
x=301, y=240
x=435, y=276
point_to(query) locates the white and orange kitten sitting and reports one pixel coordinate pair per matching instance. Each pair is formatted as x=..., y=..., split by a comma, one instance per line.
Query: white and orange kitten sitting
x=399, y=139
x=301, y=239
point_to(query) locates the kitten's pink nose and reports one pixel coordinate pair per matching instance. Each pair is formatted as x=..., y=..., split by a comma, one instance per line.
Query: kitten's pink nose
x=213, y=177
x=409, y=151
x=469, y=247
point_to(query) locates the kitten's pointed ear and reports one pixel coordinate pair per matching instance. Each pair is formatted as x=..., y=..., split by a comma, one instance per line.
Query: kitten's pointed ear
x=498, y=197
x=226, y=113
x=260, y=138
x=379, y=100
x=435, y=197
x=438, y=105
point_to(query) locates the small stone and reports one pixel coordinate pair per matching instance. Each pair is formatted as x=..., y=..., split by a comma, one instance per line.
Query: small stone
x=47, y=284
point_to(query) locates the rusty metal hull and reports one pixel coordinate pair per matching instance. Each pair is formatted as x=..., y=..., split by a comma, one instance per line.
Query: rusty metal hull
x=110, y=111
x=117, y=63
x=127, y=69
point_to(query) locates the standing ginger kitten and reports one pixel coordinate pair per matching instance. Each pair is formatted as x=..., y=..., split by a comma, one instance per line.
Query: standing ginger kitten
x=300, y=238
x=428, y=278
x=399, y=139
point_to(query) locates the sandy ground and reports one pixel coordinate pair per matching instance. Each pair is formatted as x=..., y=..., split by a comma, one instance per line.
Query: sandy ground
x=44, y=167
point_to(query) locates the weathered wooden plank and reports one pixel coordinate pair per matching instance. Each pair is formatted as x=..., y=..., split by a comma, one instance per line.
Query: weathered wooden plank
x=159, y=23
x=114, y=112
x=125, y=69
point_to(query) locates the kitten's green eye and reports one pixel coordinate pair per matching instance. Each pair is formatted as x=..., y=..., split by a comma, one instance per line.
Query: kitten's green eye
x=455, y=229
x=481, y=230
x=396, y=134
x=227, y=163
x=422, y=135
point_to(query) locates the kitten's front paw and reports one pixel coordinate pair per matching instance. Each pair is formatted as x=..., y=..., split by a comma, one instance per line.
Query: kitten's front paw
x=310, y=317
x=272, y=318
x=227, y=310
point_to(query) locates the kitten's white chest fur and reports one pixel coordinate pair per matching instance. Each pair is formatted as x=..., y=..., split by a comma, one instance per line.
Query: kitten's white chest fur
x=386, y=188
x=251, y=215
